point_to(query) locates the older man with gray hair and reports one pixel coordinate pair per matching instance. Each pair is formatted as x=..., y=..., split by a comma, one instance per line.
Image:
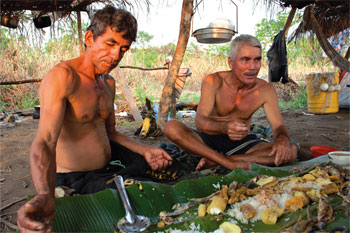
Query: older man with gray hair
x=224, y=114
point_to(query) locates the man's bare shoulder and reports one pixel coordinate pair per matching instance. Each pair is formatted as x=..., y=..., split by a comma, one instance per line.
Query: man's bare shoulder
x=61, y=75
x=216, y=78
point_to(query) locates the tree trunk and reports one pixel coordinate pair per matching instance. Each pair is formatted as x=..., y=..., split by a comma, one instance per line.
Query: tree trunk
x=185, y=26
x=80, y=36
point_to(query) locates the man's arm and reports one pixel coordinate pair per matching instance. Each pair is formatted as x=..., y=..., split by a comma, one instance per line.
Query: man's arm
x=41, y=209
x=157, y=158
x=282, y=145
x=206, y=123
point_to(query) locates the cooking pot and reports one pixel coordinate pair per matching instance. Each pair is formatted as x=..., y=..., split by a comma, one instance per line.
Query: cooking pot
x=220, y=30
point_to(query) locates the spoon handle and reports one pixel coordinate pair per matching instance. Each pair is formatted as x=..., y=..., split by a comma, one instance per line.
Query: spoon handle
x=129, y=213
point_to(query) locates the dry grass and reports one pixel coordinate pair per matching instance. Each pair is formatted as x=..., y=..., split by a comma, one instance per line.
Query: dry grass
x=21, y=62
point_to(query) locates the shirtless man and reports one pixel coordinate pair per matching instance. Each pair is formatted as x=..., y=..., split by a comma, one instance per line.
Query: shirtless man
x=77, y=121
x=228, y=101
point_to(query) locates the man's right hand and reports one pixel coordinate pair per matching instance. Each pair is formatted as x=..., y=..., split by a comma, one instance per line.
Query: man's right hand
x=37, y=214
x=237, y=130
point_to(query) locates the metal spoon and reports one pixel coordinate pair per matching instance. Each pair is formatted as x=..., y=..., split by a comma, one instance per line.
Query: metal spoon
x=131, y=222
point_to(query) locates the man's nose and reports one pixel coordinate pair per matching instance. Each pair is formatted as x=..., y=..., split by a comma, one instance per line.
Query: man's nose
x=254, y=64
x=115, y=53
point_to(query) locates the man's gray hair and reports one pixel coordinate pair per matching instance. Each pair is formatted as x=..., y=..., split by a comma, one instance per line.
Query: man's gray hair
x=241, y=40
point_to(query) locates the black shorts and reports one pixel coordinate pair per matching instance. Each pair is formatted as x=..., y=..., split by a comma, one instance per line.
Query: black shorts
x=133, y=166
x=224, y=145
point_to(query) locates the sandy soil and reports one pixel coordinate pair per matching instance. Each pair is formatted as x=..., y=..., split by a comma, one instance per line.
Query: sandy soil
x=16, y=185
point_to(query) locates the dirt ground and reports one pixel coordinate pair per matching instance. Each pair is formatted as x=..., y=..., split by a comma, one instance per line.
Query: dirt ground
x=15, y=181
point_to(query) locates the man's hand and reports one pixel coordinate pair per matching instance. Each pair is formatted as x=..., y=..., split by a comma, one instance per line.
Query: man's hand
x=157, y=158
x=37, y=214
x=237, y=130
x=282, y=149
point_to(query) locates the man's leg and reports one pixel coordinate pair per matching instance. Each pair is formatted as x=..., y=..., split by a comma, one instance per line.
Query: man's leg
x=190, y=141
x=259, y=154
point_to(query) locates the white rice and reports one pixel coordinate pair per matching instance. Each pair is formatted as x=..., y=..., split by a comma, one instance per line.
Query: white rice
x=259, y=202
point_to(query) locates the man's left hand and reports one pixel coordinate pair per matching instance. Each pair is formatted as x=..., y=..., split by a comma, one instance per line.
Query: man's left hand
x=157, y=158
x=282, y=149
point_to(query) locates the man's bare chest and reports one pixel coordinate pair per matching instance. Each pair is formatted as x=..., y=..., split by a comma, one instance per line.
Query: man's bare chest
x=241, y=104
x=91, y=101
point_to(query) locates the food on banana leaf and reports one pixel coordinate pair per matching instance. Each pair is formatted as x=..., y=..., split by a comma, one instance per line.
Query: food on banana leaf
x=272, y=197
x=265, y=180
x=217, y=205
x=294, y=204
x=271, y=214
x=229, y=227
x=248, y=211
x=303, y=196
x=202, y=210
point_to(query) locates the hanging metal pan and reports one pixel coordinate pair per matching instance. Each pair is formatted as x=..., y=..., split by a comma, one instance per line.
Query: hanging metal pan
x=213, y=35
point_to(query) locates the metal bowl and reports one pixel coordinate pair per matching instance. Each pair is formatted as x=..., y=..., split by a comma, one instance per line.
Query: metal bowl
x=213, y=35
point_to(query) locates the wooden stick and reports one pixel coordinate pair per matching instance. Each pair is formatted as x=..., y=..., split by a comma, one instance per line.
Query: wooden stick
x=324, y=135
x=20, y=82
x=145, y=69
x=9, y=224
x=12, y=203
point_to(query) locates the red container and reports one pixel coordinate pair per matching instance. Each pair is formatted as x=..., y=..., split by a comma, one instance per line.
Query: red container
x=321, y=150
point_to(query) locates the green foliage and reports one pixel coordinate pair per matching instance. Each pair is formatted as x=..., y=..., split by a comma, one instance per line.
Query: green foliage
x=309, y=47
x=143, y=39
x=5, y=38
x=220, y=49
x=266, y=30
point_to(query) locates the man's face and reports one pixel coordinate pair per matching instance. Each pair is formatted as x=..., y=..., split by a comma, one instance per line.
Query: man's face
x=108, y=49
x=246, y=65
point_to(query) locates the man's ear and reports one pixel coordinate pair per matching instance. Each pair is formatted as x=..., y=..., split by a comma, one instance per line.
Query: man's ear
x=89, y=38
x=229, y=61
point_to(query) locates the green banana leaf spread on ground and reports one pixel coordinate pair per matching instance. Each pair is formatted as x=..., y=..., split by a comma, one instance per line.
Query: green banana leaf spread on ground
x=101, y=211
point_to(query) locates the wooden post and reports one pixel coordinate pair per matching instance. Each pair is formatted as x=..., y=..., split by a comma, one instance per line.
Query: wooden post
x=289, y=20
x=128, y=96
x=80, y=36
x=185, y=26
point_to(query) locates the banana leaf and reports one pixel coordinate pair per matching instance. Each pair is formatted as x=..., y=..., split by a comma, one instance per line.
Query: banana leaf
x=99, y=211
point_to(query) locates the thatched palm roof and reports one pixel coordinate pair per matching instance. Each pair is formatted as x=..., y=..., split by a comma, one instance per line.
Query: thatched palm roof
x=332, y=15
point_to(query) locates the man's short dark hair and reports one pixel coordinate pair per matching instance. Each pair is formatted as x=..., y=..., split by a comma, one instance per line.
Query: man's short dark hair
x=118, y=20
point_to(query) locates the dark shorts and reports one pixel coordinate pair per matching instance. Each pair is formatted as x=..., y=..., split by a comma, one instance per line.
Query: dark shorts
x=133, y=166
x=224, y=145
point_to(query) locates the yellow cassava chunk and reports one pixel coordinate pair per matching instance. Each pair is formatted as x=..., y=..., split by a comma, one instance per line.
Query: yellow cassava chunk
x=270, y=215
x=217, y=205
x=309, y=177
x=202, y=209
x=303, y=196
x=229, y=227
x=265, y=180
x=223, y=192
x=330, y=188
x=294, y=204
x=160, y=224
x=314, y=195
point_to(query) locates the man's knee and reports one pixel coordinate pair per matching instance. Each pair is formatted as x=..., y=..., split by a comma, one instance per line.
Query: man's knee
x=172, y=129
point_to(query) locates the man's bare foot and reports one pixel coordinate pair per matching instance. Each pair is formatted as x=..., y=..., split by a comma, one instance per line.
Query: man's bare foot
x=243, y=164
x=205, y=163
